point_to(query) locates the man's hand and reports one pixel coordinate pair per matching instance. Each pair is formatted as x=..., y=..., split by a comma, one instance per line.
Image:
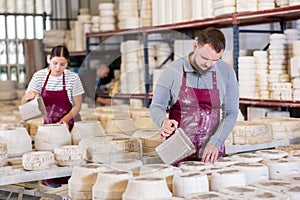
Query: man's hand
x=168, y=128
x=210, y=153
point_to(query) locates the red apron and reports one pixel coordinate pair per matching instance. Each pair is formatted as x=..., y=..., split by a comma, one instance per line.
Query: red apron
x=198, y=113
x=57, y=104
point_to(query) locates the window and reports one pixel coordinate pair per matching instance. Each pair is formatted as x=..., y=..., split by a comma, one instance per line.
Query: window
x=20, y=20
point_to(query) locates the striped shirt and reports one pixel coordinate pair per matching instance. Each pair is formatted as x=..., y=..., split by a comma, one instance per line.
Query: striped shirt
x=73, y=83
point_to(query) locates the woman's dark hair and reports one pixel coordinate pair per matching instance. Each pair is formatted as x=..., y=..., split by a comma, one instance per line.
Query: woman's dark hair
x=212, y=36
x=60, y=51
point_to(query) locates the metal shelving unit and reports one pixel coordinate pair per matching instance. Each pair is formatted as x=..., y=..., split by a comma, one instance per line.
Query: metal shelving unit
x=235, y=20
x=138, y=33
x=277, y=15
x=270, y=103
x=253, y=147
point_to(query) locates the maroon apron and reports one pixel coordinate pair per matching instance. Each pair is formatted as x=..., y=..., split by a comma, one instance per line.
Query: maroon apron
x=198, y=113
x=57, y=104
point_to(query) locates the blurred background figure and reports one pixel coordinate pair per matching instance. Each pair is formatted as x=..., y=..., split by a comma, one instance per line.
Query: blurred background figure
x=96, y=83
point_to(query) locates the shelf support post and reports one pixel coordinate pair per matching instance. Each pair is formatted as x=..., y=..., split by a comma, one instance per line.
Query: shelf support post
x=87, y=50
x=236, y=44
x=147, y=78
x=282, y=24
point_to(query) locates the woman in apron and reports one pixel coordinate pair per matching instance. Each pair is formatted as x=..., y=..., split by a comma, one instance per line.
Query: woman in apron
x=61, y=91
x=193, y=90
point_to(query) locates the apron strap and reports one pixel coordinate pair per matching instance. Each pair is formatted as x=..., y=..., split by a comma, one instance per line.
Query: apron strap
x=214, y=79
x=46, y=81
x=47, y=78
x=64, y=82
x=184, y=78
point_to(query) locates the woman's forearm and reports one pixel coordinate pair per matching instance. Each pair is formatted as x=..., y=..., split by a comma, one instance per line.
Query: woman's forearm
x=75, y=109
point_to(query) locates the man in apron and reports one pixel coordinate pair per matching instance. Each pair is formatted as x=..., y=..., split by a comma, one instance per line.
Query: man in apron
x=194, y=89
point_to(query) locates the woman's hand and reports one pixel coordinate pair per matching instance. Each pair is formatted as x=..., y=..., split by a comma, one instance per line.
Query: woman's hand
x=73, y=112
x=168, y=128
x=210, y=153
x=29, y=96
x=65, y=122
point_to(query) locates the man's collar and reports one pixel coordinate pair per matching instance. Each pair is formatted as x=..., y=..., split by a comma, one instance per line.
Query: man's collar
x=187, y=67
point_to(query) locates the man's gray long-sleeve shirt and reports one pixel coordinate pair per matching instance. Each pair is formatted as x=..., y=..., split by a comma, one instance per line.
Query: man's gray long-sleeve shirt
x=168, y=86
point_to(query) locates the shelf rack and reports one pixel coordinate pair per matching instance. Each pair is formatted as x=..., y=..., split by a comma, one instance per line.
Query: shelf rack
x=244, y=18
x=20, y=175
x=281, y=15
x=128, y=96
x=235, y=20
x=233, y=149
x=270, y=103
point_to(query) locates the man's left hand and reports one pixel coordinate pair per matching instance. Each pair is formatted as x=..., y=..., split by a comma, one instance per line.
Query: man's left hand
x=210, y=153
